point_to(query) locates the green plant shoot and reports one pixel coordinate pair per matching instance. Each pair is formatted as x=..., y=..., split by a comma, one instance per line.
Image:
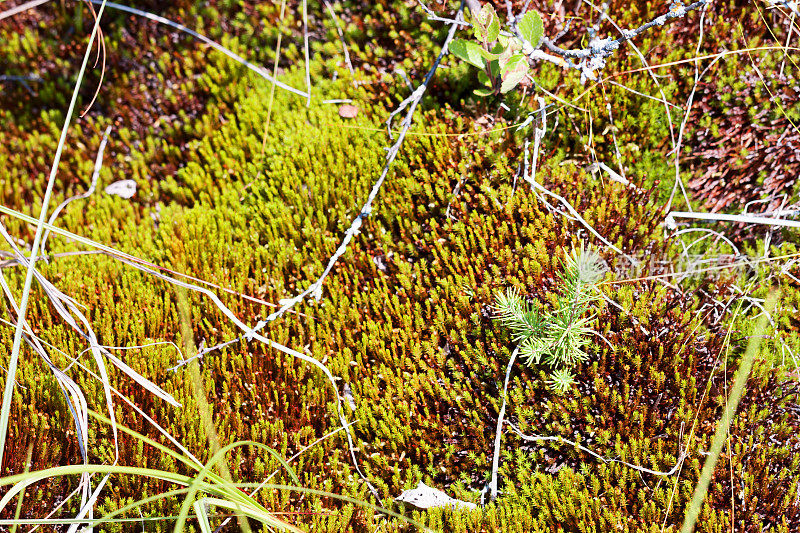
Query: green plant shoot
x=502, y=59
x=557, y=338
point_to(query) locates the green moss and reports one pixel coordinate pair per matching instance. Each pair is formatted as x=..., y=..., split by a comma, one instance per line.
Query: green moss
x=406, y=315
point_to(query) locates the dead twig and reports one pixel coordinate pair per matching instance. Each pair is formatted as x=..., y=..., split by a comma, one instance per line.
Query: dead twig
x=341, y=38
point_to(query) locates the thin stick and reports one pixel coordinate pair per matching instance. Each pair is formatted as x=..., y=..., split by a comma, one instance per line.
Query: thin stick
x=98, y=164
x=255, y=68
x=575, y=214
x=19, y=9
x=539, y=438
x=720, y=217
x=344, y=43
x=410, y=103
x=264, y=137
x=308, y=62
x=499, y=433
x=606, y=47
x=788, y=40
x=687, y=113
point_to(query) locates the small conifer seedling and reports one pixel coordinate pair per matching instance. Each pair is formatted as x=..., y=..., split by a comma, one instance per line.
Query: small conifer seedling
x=557, y=338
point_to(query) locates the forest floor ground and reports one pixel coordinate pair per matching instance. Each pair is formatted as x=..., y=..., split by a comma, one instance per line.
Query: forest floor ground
x=165, y=359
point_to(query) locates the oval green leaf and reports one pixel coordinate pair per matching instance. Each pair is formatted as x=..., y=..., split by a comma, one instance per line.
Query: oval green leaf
x=488, y=55
x=489, y=24
x=512, y=73
x=468, y=51
x=531, y=28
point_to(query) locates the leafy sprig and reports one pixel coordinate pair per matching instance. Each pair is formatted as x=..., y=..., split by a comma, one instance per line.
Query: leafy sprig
x=502, y=58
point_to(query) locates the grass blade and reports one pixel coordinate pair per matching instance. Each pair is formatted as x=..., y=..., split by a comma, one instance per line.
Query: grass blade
x=8, y=391
x=202, y=516
x=727, y=417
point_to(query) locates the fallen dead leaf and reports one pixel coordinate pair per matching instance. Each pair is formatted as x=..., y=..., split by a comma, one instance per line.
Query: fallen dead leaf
x=425, y=497
x=348, y=111
x=123, y=188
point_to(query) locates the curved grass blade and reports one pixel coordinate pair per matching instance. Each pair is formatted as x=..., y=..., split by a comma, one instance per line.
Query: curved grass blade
x=8, y=391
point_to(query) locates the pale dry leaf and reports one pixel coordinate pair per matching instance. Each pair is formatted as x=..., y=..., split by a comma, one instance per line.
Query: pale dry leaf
x=348, y=111
x=348, y=395
x=425, y=497
x=123, y=188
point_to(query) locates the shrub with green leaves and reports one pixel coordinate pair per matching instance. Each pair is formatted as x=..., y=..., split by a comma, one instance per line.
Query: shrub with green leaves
x=501, y=58
x=559, y=337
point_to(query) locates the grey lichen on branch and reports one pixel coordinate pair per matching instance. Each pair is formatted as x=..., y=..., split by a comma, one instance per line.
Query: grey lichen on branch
x=592, y=58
